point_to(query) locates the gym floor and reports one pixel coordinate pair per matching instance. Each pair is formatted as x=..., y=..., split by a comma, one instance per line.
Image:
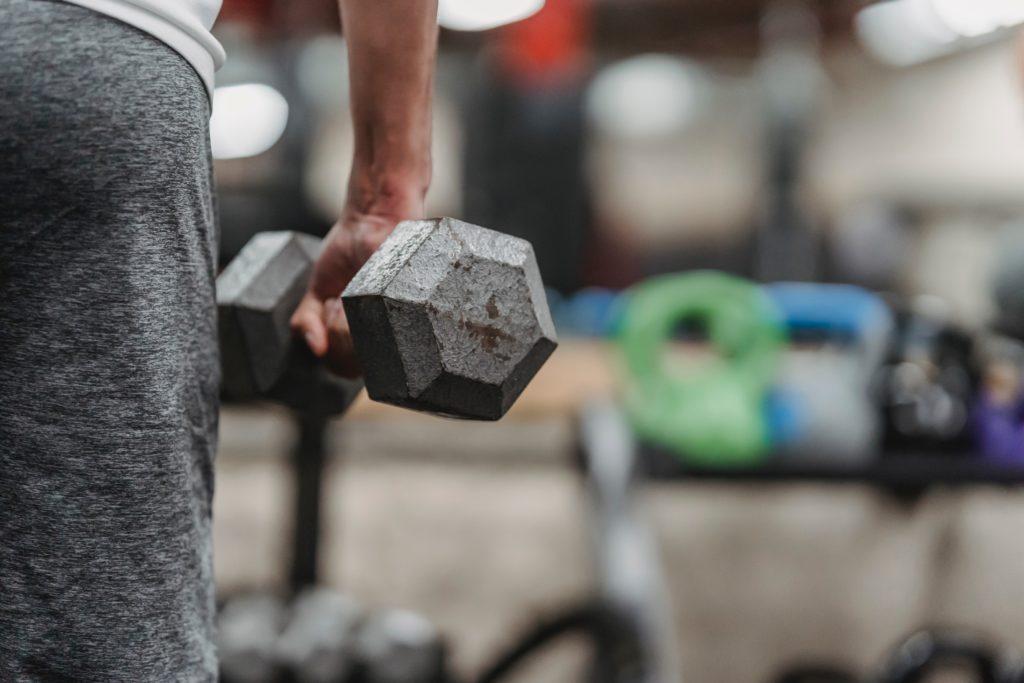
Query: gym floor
x=482, y=528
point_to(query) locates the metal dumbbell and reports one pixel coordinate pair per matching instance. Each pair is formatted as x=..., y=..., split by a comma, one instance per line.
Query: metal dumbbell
x=446, y=317
x=926, y=653
x=928, y=383
x=399, y=646
x=247, y=632
x=318, y=643
x=923, y=656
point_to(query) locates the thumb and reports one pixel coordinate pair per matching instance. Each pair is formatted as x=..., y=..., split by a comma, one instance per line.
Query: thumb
x=308, y=321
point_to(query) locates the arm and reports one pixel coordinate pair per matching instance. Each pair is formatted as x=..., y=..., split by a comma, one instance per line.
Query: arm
x=391, y=47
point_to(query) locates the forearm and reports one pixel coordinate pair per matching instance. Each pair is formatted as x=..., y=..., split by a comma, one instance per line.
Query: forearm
x=392, y=46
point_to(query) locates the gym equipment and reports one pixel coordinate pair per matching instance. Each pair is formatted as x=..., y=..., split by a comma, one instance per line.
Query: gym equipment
x=446, y=317
x=633, y=590
x=317, y=645
x=399, y=646
x=791, y=79
x=714, y=415
x=1007, y=282
x=925, y=653
x=247, y=632
x=451, y=318
x=830, y=386
x=816, y=674
x=525, y=141
x=998, y=413
x=324, y=636
x=590, y=312
x=256, y=295
x=928, y=384
x=628, y=623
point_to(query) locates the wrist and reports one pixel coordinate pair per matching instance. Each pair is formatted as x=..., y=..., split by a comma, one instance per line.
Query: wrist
x=396, y=191
x=392, y=157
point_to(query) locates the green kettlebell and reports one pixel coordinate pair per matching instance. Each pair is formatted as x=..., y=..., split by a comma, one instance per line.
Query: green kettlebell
x=712, y=415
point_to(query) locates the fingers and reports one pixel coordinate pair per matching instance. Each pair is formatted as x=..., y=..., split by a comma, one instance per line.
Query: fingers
x=341, y=357
x=308, y=322
x=320, y=317
x=325, y=328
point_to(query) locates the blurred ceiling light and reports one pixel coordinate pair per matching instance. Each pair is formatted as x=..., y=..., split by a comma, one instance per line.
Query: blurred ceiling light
x=481, y=15
x=972, y=18
x=247, y=120
x=905, y=32
x=645, y=97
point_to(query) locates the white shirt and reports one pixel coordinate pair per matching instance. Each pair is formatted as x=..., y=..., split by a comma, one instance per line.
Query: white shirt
x=182, y=24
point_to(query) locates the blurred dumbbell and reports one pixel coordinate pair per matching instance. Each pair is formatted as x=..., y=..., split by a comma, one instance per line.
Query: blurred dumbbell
x=399, y=646
x=928, y=383
x=247, y=633
x=318, y=642
x=927, y=653
x=924, y=656
x=839, y=336
x=446, y=317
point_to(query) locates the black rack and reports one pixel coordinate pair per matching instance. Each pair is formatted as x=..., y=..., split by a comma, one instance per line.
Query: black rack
x=898, y=470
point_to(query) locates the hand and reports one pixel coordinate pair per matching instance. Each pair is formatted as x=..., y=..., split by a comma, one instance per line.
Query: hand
x=372, y=210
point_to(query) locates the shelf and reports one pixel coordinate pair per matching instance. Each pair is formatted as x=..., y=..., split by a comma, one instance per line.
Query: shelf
x=892, y=470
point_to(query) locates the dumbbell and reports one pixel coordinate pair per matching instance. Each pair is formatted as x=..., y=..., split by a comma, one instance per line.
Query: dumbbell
x=248, y=628
x=318, y=643
x=829, y=387
x=922, y=655
x=446, y=317
x=928, y=383
x=399, y=646
x=925, y=653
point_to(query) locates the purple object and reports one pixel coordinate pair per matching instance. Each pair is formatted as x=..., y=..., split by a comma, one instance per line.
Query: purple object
x=999, y=425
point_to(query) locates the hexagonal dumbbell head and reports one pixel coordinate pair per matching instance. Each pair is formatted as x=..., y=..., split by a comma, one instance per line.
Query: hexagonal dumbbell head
x=256, y=296
x=450, y=318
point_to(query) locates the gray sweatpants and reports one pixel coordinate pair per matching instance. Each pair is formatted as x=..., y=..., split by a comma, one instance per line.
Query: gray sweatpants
x=108, y=360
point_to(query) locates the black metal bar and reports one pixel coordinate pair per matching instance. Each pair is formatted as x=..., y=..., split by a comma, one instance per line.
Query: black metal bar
x=308, y=459
x=887, y=470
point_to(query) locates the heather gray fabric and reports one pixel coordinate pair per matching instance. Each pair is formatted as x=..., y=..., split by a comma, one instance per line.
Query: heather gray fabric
x=108, y=361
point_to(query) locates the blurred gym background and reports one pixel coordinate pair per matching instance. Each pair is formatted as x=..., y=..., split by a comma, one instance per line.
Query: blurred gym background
x=876, y=144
